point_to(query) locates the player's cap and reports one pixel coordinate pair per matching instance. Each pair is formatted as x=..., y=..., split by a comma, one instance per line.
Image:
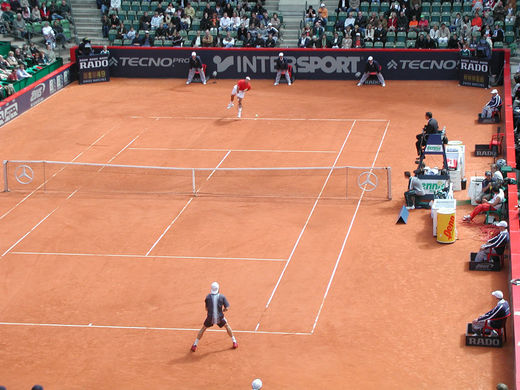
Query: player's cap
x=280, y=54
x=193, y=54
x=501, y=224
x=256, y=384
x=371, y=58
x=494, y=91
x=248, y=78
x=488, y=173
x=497, y=294
x=214, y=288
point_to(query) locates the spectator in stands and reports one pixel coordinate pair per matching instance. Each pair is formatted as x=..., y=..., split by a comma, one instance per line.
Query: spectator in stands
x=499, y=311
x=58, y=33
x=270, y=41
x=434, y=32
x=130, y=34
x=225, y=23
x=369, y=33
x=342, y=6
x=177, y=40
x=145, y=21
x=258, y=8
x=346, y=42
x=64, y=10
x=156, y=21
x=318, y=29
x=444, y=35
x=454, y=42
x=379, y=33
x=423, y=24
x=249, y=41
x=275, y=21
x=413, y=25
x=476, y=22
x=121, y=31
x=242, y=32
x=50, y=54
x=494, y=104
x=323, y=14
x=304, y=40
x=105, y=25
x=235, y=21
x=84, y=48
x=497, y=174
x=45, y=13
x=259, y=41
x=499, y=11
x=189, y=10
x=19, y=26
x=13, y=76
x=11, y=59
x=498, y=34
x=353, y=6
x=185, y=22
x=402, y=21
x=21, y=73
x=20, y=57
x=114, y=21
x=214, y=21
x=421, y=43
x=510, y=12
x=350, y=20
x=494, y=204
x=39, y=59
x=197, y=40
x=228, y=40
x=392, y=22
x=430, y=43
x=335, y=43
x=207, y=39
x=415, y=189
x=35, y=15
x=314, y=43
x=204, y=22
x=146, y=40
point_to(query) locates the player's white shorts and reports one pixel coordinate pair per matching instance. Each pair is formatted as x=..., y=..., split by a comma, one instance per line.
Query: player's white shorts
x=240, y=94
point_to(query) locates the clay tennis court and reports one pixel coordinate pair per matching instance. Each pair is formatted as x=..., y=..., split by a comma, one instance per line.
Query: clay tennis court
x=103, y=277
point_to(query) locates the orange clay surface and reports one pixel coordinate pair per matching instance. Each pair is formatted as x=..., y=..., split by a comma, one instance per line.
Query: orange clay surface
x=130, y=272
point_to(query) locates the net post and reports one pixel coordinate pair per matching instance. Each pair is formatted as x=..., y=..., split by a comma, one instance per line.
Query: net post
x=389, y=179
x=194, y=187
x=6, y=187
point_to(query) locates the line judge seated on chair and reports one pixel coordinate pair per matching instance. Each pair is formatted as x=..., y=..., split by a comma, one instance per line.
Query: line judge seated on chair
x=501, y=310
x=495, y=204
x=493, y=106
x=495, y=245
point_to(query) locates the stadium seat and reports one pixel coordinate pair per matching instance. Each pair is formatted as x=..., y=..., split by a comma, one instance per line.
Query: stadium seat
x=385, y=6
x=426, y=7
x=400, y=45
x=369, y=45
x=410, y=43
x=510, y=26
x=378, y=45
x=168, y=43
x=374, y=7
x=446, y=6
x=436, y=6
x=401, y=36
x=364, y=7
x=112, y=35
x=389, y=45
x=446, y=18
x=390, y=36
x=501, y=331
x=510, y=37
x=498, y=45
x=118, y=42
x=412, y=35
x=132, y=15
x=145, y=6
x=435, y=17
x=456, y=7
x=239, y=43
x=125, y=5
x=136, y=6
x=466, y=8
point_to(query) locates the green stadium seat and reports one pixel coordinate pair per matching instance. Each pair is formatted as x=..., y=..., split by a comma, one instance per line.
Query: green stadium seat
x=443, y=45
x=112, y=35
x=239, y=43
x=426, y=6
x=412, y=35
x=498, y=45
x=385, y=6
x=466, y=8
x=136, y=6
x=369, y=45
x=435, y=17
x=426, y=15
x=158, y=43
x=513, y=48
x=510, y=26
x=389, y=45
x=132, y=15
x=390, y=36
x=126, y=6
x=364, y=7
x=145, y=6
x=168, y=43
x=401, y=36
x=118, y=42
x=378, y=45
x=410, y=43
x=332, y=18
x=510, y=37
x=400, y=45
x=446, y=7
x=374, y=7
x=456, y=7
x=436, y=6
x=446, y=18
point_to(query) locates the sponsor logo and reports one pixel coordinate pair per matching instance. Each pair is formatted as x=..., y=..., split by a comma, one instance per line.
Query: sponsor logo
x=59, y=81
x=448, y=232
x=93, y=64
x=66, y=77
x=433, y=149
x=431, y=186
x=301, y=64
x=474, y=66
x=9, y=112
x=37, y=94
x=158, y=62
x=422, y=64
x=113, y=62
x=485, y=341
x=52, y=86
x=392, y=64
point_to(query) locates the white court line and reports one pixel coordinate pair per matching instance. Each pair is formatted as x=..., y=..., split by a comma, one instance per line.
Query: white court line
x=306, y=222
x=46, y=181
x=169, y=226
x=122, y=150
x=145, y=328
x=262, y=119
x=38, y=224
x=348, y=234
x=219, y=164
x=145, y=256
x=233, y=150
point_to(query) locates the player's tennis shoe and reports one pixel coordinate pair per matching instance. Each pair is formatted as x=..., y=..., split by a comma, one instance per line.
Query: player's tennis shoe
x=289, y=83
x=359, y=84
x=467, y=218
x=193, y=348
x=239, y=114
x=230, y=105
x=383, y=85
x=235, y=345
x=187, y=83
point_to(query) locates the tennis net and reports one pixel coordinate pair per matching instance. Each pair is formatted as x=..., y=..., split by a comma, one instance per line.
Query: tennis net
x=294, y=182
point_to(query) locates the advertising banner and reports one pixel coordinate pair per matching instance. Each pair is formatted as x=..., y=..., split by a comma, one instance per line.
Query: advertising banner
x=93, y=69
x=321, y=64
x=474, y=72
x=34, y=94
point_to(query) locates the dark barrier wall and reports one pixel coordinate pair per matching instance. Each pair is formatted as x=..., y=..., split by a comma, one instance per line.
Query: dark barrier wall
x=328, y=64
x=34, y=94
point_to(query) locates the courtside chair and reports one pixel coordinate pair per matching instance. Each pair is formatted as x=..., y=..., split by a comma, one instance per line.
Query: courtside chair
x=501, y=331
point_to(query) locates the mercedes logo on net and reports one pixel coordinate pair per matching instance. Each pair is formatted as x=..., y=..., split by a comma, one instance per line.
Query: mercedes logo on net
x=24, y=174
x=367, y=181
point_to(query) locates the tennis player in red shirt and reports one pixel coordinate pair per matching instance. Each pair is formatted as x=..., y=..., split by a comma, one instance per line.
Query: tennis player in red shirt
x=240, y=90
